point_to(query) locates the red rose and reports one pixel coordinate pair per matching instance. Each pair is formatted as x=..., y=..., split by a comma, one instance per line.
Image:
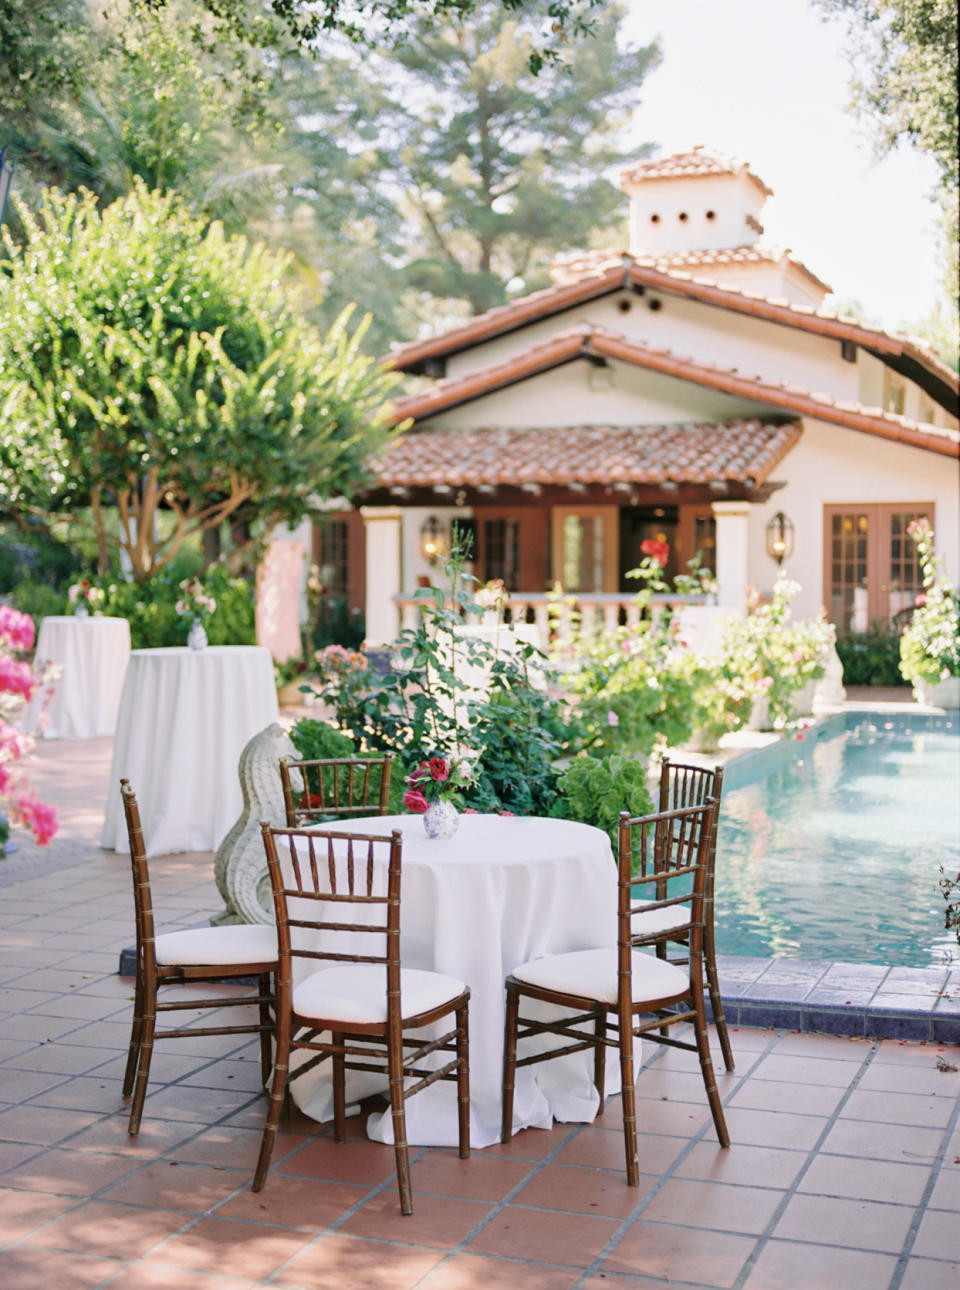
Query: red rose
x=656, y=550
x=415, y=802
x=415, y=776
x=439, y=770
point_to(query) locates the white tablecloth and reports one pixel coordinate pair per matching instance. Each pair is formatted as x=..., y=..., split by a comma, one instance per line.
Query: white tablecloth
x=93, y=654
x=475, y=906
x=185, y=717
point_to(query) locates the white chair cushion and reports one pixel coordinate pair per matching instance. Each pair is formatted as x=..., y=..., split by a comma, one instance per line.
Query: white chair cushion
x=218, y=946
x=592, y=974
x=356, y=993
x=656, y=922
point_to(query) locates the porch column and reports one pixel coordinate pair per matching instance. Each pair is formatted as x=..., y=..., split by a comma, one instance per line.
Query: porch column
x=384, y=572
x=732, y=553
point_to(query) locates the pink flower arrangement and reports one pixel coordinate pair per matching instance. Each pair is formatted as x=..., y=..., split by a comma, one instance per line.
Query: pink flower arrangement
x=438, y=779
x=18, y=682
x=16, y=629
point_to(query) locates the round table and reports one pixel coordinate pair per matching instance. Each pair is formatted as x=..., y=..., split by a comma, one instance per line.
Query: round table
x=500, y=891
x=185, y=717
x=93, y=654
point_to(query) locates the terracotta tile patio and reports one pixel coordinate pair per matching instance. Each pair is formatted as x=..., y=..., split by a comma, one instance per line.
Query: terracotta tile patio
x=844, y=1173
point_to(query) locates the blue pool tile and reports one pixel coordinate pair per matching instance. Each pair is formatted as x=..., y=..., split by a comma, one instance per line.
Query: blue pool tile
x=833, y=1021
x=770, y=1015
x=945, y=1030
x=883, y=1025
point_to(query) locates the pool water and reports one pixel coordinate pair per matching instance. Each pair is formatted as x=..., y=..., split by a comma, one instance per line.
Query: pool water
x=831, y=848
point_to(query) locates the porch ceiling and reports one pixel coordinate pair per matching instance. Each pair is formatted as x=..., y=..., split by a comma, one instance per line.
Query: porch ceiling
x=740, y=452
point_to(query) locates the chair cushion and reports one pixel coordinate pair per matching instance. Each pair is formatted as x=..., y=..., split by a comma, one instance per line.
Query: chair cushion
x=657, y=922
x=592, y=974
x=357, y=993
x=221, y=946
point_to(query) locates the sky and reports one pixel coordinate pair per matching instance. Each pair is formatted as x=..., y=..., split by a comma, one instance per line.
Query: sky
x=767, y=81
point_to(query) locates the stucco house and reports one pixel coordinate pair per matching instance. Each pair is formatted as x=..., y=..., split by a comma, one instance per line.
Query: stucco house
x=690, y=388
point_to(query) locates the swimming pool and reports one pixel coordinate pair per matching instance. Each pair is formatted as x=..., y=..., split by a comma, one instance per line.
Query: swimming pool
x=830, y=848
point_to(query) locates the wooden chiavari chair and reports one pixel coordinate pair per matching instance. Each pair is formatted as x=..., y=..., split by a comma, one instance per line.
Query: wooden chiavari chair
x=682, y=786
x=316, y=790
x=612, y=990
x=202, y=954
x=326, y=888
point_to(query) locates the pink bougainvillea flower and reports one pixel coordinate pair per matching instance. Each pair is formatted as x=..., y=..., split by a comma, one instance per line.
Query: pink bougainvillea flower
x=16, y=628
x=15, y=678
x=470, y=810
x=439, y=769
x=612, y=718
x=512, y=814
x=656, y=550
x=415, y=802
x=39, y=817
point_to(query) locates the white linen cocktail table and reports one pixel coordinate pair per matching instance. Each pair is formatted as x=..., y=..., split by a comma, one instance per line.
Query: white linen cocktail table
x=185, y=717
x=500, y=891
x=93, y=654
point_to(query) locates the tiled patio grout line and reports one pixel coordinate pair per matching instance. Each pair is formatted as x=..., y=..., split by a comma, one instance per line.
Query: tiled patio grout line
x=695, y=1139
x=765, y=1237
x=923, y=1204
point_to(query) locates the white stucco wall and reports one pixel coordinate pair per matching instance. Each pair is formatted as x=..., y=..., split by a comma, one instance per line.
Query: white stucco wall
x=833, y=465
x=731, y=198
x=566, y=396
x=687, y=328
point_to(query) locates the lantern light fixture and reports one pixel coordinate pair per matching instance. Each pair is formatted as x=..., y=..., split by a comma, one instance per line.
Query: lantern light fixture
x=779, y=538
x=433, y=540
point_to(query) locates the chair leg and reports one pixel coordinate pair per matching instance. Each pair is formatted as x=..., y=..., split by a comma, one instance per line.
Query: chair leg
x=463, y=1080
x=661, y=952
x=136, y=1037
x=509, y=1062
x=706, y=1069
x=339, y=1091
x=148, y=1026
x=716, y=1000
x=266, y=1037
x=600, y=1055
x=628, y=1095
x=399, y=1117
x=278, y=1090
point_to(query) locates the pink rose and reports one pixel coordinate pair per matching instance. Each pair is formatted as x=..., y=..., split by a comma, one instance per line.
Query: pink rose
x=415, y=802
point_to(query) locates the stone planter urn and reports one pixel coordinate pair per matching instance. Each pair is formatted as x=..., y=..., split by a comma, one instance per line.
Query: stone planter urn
x=760, y=715
x=938, y=694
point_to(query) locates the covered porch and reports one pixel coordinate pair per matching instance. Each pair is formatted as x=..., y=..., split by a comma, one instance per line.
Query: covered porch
x=565, y=507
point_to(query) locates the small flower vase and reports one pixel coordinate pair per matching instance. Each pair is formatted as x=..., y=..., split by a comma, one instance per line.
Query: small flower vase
x=197, y=638
x=440, y=820
x=81, y=610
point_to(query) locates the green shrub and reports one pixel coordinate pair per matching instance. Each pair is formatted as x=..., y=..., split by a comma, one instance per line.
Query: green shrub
x=150, y=608
x=596, y=789
x=870, y=658
x=315, y=740
x=38, y=599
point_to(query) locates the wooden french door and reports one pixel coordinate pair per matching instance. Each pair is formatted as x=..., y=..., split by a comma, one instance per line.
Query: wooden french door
x=585, y=547
x=870, y=565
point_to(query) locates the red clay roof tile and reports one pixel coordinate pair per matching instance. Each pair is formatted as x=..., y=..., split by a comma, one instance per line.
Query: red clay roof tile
x=597, y=342
x=572, y=268
x=693, y=164
x=743, y=451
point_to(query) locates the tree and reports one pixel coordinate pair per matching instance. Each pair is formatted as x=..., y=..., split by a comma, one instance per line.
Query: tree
x=371, y=21
x=905, y=85
x=500, y=169
x=149, y=363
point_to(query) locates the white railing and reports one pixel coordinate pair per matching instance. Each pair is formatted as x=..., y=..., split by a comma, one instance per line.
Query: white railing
x=552, y=617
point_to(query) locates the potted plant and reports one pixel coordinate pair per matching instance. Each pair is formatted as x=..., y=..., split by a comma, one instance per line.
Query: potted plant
x=930, y=646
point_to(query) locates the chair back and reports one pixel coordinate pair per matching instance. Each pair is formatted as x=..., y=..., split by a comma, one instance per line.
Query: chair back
x=666, y=855
x=682, y=785
x=337, y=899
x=334, y=786
x=142, y=898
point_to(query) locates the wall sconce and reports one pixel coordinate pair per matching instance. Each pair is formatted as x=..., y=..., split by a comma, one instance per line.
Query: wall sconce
x=433, y=540
x=779, y=538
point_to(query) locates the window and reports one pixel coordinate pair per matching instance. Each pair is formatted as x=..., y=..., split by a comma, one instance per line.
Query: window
x=871, y=570
x=894, y=392
x=501, y=551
